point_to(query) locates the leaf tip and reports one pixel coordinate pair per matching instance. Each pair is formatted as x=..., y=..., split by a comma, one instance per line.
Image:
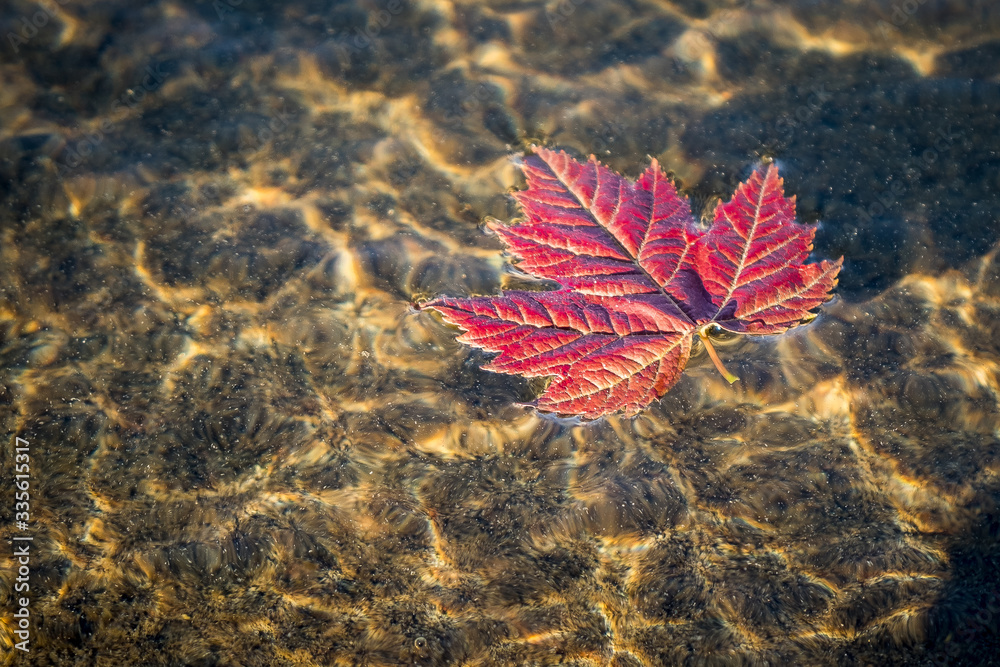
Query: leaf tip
x=493, y=225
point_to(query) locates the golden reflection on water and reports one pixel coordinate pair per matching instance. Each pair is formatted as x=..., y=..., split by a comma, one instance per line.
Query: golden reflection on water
x=343, y=441
x=249, y=443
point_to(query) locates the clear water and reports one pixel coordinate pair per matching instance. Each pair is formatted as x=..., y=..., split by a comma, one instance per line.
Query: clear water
x=248, y=448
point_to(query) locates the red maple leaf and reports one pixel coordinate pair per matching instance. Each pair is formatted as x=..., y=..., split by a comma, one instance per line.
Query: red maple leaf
x=639, y=277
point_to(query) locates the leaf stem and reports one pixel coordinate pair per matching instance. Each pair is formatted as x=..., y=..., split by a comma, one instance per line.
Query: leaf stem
x=715, y=358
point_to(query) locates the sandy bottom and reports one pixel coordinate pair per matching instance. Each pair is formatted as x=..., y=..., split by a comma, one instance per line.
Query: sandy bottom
x=248, y=448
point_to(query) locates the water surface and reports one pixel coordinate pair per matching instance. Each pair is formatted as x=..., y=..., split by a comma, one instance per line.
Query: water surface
x=249, y=449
